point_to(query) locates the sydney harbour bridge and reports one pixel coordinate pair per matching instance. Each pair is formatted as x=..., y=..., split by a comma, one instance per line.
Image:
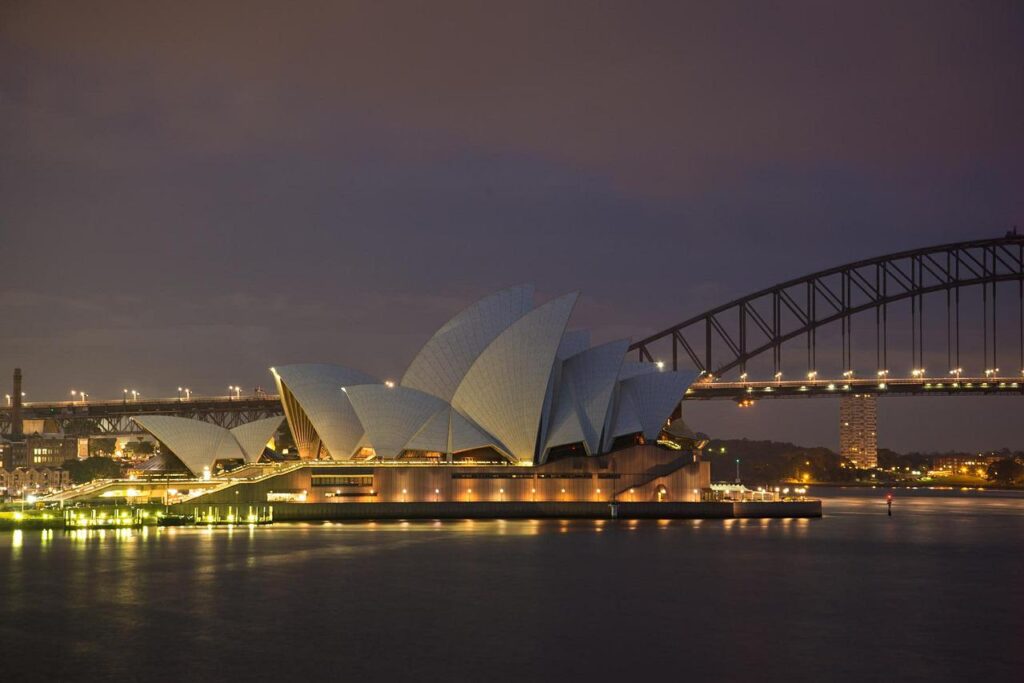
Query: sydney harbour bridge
x=942, y=320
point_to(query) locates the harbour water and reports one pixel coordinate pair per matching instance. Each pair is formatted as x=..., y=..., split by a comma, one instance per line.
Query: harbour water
x=933, y=593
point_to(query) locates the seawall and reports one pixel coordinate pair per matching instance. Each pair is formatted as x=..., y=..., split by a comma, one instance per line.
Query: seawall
x=283, y=512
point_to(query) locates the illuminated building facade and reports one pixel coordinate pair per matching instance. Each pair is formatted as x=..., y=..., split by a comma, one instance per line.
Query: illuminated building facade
x=32, y=480
x=502, y=404
x=639, y=473
x=858, y=429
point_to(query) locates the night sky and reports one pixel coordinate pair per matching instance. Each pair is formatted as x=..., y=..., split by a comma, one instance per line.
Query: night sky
x=193, y=192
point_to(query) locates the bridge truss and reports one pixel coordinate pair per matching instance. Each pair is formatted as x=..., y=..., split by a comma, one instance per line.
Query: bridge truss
x=112, y=418
x=725, y=339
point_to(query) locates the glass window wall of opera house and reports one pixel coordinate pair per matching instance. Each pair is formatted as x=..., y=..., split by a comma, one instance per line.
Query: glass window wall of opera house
x=502, y=404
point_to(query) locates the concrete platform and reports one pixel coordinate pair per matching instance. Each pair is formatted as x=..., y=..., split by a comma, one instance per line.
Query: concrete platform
x=284, y=512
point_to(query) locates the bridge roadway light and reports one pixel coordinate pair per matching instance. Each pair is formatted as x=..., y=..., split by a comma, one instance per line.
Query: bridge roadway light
x=8, y=397
x=848, y=374
x=778, y=377
x=992, y=372
x=812, y=375
x=917, y=372
x=660, y=364
x=956, y=372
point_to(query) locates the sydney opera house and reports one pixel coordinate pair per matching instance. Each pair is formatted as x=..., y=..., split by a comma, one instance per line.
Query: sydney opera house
x=502, y=404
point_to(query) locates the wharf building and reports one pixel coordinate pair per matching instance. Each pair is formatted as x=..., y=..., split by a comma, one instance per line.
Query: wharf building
x=502, y=404
x=31, y=464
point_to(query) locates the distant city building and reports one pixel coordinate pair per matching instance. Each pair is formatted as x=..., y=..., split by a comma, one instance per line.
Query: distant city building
x=37, y=451
x=972, y=464
x=858, y=429
x=22, y=481
x=33, y=443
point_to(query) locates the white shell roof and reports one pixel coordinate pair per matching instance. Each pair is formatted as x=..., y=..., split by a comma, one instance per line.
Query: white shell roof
x=253, y=436
x=467, y=436
x=504, y=390
x=317, y=388
x=626, y=419
x=573, y=342
x=585, y=394
x=197, y=444
x=501, y=374
x=442, y=363
x=449, y=432
x=632, y=368
x=392, y=416
x=433, y=435
x=653, y=397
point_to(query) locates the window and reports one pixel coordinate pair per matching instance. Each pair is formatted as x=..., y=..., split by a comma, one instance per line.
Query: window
x=342, y=480
x=565, y=475
x=286, y=496
x=489, y=475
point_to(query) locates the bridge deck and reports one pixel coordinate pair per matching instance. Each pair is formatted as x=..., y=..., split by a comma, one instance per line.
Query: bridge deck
x=938, y=386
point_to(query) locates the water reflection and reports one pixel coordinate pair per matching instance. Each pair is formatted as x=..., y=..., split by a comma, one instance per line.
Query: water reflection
x=327, y=593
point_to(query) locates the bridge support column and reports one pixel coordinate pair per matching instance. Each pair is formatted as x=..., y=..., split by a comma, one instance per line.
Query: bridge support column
x=858, y=429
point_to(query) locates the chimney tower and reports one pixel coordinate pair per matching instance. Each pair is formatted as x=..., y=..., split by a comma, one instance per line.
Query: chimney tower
x=16, y=421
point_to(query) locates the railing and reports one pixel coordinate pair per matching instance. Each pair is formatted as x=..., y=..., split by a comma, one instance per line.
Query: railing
x=142, y=402
x=849, y=385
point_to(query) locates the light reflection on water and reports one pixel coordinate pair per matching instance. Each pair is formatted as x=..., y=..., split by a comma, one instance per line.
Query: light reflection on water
x=603, y=599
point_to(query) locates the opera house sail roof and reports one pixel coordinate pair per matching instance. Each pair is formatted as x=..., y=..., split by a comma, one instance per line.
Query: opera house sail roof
x=199, y=445
x=502, y=377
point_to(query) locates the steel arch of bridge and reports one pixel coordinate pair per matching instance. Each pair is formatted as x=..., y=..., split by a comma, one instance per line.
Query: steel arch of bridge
x=763, y=321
